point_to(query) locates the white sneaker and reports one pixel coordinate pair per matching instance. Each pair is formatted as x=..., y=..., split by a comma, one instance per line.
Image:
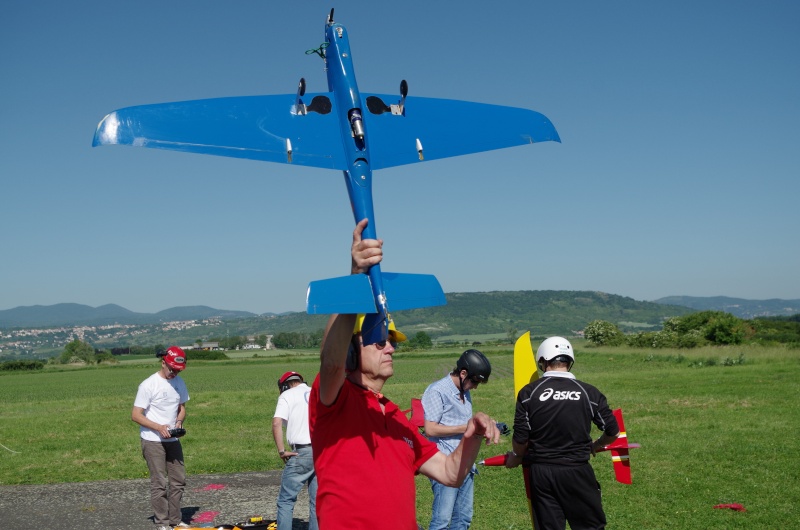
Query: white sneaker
x=181, y=525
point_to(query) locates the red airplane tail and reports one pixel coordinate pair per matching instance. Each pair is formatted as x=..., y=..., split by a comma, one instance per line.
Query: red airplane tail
x=417, y=413
x=620, y=451
x=417, y=418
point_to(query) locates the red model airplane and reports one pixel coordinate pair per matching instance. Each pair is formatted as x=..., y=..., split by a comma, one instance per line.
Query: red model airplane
x=619, y=453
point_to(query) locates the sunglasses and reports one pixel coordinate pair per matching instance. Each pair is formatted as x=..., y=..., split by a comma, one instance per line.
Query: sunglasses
x=382, y=344
x=475, y=381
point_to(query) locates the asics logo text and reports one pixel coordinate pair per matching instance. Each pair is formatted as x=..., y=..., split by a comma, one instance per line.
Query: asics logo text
x=559, y=396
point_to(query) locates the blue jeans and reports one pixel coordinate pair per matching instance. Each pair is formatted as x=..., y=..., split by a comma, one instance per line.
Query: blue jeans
x=299, y=470
x=452, y=507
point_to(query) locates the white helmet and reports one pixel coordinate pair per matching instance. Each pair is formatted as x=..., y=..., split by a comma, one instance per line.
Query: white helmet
x=553, y=347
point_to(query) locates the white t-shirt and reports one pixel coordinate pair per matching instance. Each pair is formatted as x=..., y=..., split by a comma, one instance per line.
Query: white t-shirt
x=160, y=398
x=292, y=408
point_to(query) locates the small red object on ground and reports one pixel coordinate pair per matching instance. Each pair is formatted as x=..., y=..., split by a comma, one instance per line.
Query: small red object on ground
x=733, y=506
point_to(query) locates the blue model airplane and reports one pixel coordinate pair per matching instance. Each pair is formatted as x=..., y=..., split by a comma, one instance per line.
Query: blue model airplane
x=340, y=129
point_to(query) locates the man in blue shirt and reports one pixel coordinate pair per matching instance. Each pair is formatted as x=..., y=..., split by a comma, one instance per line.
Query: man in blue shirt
x=448, y=408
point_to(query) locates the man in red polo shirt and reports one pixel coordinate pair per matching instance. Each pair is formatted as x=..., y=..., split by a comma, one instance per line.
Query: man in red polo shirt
x=366, y=453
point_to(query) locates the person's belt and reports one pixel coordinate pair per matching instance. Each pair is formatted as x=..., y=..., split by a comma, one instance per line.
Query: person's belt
x=300, y=446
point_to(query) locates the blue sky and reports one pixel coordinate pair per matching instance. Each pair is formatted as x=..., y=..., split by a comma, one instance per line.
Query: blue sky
x=677, y=175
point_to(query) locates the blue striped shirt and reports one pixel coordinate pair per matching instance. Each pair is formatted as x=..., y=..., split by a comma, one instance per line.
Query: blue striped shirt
x=443, y=405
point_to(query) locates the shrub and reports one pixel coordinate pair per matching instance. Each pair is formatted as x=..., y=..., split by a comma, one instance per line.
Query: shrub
x=105, y=357
x=727, y=361
x=693, y=339
x=725, y=329
x=78, y=351
x=205, y=355
x=643, y=339
x=603, y=333
x=21, y=365
x=664, y=339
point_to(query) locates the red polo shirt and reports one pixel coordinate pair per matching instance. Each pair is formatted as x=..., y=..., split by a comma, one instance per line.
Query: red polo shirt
x=365, y=461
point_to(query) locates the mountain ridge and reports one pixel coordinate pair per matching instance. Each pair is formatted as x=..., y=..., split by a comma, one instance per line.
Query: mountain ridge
x=740, y=307
x=71, y=314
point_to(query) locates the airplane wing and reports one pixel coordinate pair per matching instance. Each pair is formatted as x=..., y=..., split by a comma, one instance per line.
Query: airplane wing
x=270, y=129
x=446, y=128
x=252, y=127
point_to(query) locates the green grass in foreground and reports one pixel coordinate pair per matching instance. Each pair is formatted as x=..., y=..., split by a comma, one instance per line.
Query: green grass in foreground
x=709, y=434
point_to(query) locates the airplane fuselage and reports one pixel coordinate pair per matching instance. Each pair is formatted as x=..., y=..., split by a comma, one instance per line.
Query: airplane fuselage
x=355, y=142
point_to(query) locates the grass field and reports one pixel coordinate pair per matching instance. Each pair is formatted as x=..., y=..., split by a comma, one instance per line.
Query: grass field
x=712, y=430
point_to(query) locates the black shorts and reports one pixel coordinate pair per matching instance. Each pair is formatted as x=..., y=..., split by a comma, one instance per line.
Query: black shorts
x=561, y=494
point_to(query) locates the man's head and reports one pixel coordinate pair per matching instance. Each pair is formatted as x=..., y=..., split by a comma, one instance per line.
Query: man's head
x=172, y=361
x=374, y=359
x=555, y=353
x=472, y=369
x=288, y=380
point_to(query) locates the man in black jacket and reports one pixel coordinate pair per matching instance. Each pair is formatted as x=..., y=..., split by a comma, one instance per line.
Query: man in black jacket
x=552, y=438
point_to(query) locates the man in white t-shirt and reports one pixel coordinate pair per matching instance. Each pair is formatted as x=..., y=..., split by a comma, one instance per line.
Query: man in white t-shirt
x=160, y=406
x=292, y=411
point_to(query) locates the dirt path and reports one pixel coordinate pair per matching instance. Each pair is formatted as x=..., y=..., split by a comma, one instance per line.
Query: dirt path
x=209, y=500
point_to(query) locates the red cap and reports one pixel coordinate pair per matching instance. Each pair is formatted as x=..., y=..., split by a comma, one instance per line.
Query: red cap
x=175, y=358
x=289, y=375
x=283, y=382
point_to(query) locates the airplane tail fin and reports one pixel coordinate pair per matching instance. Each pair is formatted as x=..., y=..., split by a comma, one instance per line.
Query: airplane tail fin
x=620, y=455
x=353, y=294
x=417, y=413
x=524, y=363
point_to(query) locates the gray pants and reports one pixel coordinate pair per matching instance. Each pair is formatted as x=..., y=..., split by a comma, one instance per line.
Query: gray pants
x=167, y=480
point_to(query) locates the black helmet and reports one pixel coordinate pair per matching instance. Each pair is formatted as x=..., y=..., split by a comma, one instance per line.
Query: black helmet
x=476, y=364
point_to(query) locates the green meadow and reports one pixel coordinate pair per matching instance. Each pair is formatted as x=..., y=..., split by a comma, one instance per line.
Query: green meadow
x=717, y=425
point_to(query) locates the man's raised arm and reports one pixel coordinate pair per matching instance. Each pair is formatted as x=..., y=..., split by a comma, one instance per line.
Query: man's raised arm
x=364, y=253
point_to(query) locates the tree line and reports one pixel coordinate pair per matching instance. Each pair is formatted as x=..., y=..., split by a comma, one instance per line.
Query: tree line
x=292, y=340
x=688, y=331
x=703, y=328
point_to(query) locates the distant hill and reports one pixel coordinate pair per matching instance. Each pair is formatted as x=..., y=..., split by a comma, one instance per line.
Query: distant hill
x=84, y=315
x=542, y=312
x=199, y=312
x=466, y=314
x=739, y=307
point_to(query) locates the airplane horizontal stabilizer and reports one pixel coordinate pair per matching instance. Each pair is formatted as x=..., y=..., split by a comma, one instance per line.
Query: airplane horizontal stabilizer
x=353, y=294
x=412, y=291
x=265, y=128
x=345, y=295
